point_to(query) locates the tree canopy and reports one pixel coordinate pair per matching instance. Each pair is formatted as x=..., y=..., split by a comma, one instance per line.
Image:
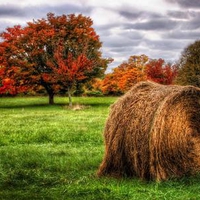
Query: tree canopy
x=159, y=71
x=56, y=53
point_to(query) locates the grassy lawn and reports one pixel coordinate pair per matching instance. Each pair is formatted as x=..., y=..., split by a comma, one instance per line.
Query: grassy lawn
x=53, y=152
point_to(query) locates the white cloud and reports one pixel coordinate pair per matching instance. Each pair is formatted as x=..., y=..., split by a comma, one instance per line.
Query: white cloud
x=102, y=16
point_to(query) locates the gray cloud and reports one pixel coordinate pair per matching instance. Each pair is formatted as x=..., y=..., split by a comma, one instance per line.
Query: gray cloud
x=105, y=30
x=182, y=35
x=187, y=20
x=183, y=15
x=154, y=24
x=119, y=41
x=134, y=14
x=186, y=3
x=165, y=45
x=124, y=49
x=67, y=8
x=178, y=14
x=133, y=35
x=191, y=25
x=130, y=15
x=12, y=10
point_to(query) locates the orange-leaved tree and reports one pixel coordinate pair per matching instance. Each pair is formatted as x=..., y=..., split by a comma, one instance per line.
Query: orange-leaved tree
x=56, y=53
x=125, y=75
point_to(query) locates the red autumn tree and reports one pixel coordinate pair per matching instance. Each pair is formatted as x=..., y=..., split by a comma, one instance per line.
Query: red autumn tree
x=8, y=85
x=69, y=70
x=161, y=72
x=56, y=53
x=8, y=78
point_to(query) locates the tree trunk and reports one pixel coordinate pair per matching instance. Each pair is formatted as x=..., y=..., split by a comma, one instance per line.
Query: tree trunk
x=70, y=97
x=49, y=90
x=51, y=98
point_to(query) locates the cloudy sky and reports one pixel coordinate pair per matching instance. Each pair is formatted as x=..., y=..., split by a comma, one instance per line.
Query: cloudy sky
x=157, y=28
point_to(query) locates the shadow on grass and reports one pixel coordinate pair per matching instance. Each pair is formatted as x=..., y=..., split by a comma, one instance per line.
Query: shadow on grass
x=41, y=105
x=46, y=105
x=98, y=104
x=26, y=102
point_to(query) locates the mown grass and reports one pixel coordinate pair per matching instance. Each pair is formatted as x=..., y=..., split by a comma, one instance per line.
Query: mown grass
x=53, y=152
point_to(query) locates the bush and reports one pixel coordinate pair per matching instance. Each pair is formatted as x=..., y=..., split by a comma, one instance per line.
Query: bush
x=94, y=94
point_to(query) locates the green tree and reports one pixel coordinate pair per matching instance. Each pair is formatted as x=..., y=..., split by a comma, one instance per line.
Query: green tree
x=189, y=65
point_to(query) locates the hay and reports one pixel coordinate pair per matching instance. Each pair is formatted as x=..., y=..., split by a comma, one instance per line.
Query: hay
x=153, y=132
x=76, y=107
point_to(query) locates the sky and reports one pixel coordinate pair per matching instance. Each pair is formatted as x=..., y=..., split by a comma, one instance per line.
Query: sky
x=156, y=28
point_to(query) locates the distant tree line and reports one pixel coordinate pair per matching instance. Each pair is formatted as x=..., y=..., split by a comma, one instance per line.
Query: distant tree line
x=186, y=71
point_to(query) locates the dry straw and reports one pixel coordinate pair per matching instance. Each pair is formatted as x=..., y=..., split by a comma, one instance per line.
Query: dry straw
x=153, y=132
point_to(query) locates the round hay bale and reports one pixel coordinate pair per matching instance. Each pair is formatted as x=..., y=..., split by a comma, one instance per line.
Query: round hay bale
x=153, y=132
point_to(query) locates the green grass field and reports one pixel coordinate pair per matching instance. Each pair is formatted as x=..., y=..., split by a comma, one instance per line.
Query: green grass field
x=53, y=152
